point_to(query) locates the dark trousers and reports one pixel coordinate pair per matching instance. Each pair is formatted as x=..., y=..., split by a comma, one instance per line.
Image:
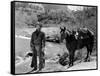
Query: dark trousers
x=37, y=51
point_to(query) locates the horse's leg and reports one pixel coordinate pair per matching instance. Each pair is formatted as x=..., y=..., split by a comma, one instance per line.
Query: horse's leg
x=90, y=48
x=88, y=54
x=73, y=53
x=71, y=58
x=90, y=51
x=81, y=55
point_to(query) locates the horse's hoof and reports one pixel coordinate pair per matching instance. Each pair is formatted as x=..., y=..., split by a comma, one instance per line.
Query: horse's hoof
x=88, y=60
x=85, y=60
x=70, y=66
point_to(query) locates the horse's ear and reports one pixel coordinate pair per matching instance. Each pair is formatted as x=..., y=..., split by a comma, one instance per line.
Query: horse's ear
x=60, y=28
x=64, y=28
x=68, y=31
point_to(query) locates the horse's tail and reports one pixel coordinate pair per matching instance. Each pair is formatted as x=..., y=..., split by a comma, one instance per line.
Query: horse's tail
x=92, y=39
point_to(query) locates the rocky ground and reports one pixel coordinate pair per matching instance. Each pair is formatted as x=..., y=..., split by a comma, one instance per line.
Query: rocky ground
x=22, y=47
x=52, y=66
x=51, y=50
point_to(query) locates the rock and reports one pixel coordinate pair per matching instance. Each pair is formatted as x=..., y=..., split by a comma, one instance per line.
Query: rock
x=64, y=60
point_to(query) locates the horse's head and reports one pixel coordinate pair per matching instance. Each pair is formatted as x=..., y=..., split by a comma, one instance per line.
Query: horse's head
x=64, y=33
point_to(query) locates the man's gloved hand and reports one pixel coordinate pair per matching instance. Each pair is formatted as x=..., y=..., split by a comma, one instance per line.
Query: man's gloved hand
x=43, y=49
x=29, y=54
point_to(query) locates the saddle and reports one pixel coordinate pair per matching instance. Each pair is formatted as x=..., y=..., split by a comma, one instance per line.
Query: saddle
x=83, y=33
x=84, y=30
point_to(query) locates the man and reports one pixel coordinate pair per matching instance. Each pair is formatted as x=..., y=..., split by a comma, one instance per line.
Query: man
x=37, y=44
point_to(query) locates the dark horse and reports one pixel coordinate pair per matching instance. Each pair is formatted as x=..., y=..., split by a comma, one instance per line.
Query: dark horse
x=76, y=40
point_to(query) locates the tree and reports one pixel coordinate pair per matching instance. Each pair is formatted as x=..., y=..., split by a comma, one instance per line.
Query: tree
x=26, y=13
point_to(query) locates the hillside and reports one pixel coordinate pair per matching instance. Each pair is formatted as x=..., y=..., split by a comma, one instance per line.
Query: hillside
x=27, y=15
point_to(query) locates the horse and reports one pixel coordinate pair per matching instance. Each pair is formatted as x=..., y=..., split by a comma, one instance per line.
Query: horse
x=76, y=40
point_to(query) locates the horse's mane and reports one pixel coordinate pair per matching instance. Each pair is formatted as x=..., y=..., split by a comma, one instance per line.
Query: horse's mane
x=69, y=36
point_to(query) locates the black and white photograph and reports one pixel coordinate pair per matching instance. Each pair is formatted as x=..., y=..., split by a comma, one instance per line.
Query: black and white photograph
x=52, y=37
